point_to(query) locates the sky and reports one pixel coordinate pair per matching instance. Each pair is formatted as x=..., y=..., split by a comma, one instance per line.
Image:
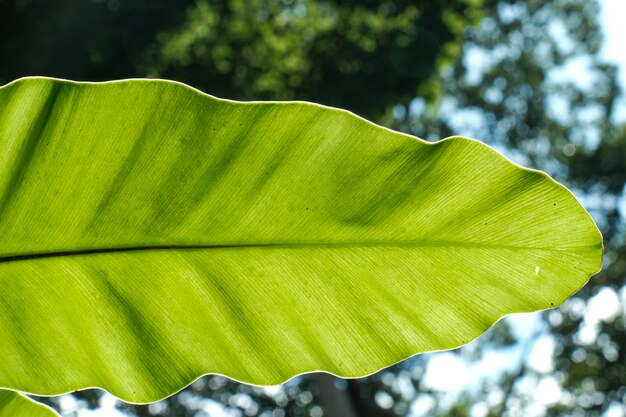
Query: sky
x=613, y=17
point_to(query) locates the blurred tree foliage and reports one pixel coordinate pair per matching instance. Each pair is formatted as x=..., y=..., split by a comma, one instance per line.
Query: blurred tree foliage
x=527, y=78
x=360, y=55
x=530, y=82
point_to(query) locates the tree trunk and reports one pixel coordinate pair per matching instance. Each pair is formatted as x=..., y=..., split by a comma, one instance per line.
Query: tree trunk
x=334, y=402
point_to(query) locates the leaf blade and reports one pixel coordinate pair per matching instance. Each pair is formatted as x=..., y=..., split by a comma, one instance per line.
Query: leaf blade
x=14, y=404
x=294, y=197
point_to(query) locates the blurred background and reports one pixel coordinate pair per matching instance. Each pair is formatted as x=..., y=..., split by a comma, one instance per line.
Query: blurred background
x=540, y=81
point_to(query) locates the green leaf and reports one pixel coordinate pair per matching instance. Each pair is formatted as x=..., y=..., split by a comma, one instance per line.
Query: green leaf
x=13, y=404
x=150, y=234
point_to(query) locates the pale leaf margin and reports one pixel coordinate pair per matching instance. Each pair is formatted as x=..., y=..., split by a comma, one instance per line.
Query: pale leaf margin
x=449, y=139
x=15, y=404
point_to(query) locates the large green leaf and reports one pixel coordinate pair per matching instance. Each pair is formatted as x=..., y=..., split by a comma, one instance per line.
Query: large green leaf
x=150, y=234
x=13, y=404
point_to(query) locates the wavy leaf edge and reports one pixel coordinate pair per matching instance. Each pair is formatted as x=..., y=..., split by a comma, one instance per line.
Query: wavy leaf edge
x=466, y=339
x=23, y=405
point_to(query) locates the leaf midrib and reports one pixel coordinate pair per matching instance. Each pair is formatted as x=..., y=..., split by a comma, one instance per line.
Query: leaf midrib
x=286, y=245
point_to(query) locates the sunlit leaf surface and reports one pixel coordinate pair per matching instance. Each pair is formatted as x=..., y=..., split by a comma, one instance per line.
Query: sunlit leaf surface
x=13, y=404
x=150, y=234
